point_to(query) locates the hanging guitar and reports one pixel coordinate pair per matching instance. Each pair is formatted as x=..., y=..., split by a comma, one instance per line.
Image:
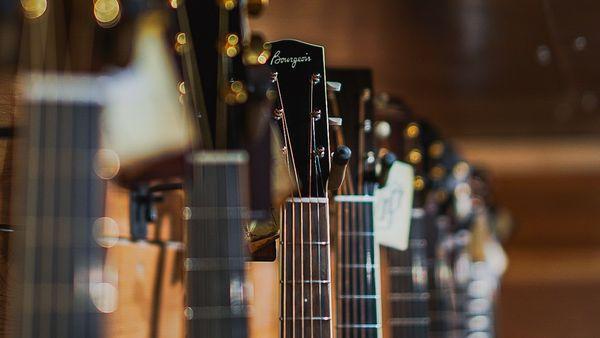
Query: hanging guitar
x=358, y=302
x=302, y=115
x=407, y=296
x=58, y=286
x=233, y=120
x=440, y=159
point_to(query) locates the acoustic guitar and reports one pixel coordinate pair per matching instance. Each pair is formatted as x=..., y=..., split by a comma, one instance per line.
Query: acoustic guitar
x=302, y=115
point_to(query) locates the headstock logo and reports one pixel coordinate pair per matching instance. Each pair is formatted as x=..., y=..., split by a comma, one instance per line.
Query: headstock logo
x=293, y=60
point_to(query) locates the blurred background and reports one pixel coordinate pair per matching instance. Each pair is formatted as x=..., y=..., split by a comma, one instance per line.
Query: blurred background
x=515, y=84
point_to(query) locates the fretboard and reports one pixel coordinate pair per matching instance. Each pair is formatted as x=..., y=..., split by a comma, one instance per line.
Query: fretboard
x=358, y=301
x=58, y=289
x=305, y=269
x=409, y=296
x=215, y=301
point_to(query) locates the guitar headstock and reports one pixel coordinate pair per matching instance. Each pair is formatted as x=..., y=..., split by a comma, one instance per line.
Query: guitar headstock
x=228, y=85
x=354, y=104
x=220, y=49
x=301, y=112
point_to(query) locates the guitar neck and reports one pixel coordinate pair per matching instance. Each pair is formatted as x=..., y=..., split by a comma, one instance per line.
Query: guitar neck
x=58, y=223
x=409, y=296
x=215, y=299
x=305, y=269
x=443, y=304
x=358, y=290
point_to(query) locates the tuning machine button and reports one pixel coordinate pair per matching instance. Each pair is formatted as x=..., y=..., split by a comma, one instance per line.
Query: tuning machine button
x=334, y=86
x=335, y=121
x=255, y=7
x=316, y=114
x=382, y=130
x=339, y=162
x=315, y=78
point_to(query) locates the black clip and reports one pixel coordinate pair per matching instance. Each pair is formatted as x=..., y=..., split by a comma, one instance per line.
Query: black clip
x=141, y=208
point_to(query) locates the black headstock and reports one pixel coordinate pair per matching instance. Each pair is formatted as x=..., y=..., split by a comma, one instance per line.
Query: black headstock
x=228, y=84
x=301, y=111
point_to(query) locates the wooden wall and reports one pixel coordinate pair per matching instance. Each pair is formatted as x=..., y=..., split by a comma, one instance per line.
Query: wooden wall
x=471, y=66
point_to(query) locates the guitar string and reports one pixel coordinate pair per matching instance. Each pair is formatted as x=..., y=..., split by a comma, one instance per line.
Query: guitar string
x=311, y=157
x=320, y=184
x=289, y=162
x=359, y=226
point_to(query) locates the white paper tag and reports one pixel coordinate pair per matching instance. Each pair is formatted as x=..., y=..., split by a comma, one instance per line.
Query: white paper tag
x=392, y=207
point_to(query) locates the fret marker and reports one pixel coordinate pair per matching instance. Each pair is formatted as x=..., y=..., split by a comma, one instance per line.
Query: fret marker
x=188, y=313
x=187, y=213
x=106, y=232
x=106, y=164
x=104, y=297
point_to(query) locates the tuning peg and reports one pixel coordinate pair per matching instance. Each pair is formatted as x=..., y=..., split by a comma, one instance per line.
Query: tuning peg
x=335, y=121
x=383, y=130
x=339, y=162
x=256, y=51
x=334, y=86
x=315, y=78
x=255, y=7
x=386, y=163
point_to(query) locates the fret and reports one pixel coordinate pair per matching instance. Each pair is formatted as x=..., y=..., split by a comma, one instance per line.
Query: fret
x=357, y=233
x=324, y=319
x=411, y=296
x=358, y=326
x=215, y=312
x=307, y=200
x=358, y=266
x=400, y=271
x=418, y=213
x=367, y=199
x=307, y=282
x=216, y=158
x=415, y=321
x=216, y=213
x=373, y=296
x=306, y=243
x=213, y=263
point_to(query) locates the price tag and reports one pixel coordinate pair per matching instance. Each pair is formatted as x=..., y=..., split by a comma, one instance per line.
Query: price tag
x=392, y=207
